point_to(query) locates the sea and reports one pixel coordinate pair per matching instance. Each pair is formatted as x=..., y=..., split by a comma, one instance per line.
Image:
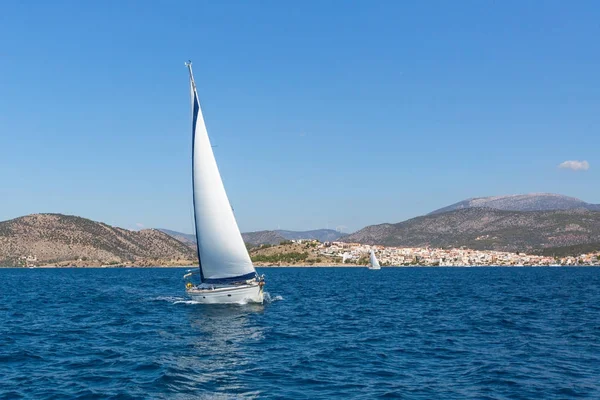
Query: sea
x=323, y=333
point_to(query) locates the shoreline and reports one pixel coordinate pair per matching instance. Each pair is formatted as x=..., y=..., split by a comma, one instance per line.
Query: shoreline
x=296, y=266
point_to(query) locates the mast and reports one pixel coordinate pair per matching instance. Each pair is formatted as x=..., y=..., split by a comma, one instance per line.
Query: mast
x=195, y=109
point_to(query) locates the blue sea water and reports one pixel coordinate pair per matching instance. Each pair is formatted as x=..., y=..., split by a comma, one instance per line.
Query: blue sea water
x=413, y=333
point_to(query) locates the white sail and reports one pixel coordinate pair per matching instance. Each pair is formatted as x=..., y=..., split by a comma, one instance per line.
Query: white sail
x=374, y=262
x=221, y=251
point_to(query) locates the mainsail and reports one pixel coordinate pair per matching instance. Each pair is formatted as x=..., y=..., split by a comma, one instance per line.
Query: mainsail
x=374, y=262
x=221, y=251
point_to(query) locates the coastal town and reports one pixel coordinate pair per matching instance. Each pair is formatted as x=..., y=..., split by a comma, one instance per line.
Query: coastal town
x=354, y=253
x=309, y=252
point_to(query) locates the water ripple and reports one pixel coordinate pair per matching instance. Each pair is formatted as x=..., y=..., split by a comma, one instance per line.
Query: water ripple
x=348, y=333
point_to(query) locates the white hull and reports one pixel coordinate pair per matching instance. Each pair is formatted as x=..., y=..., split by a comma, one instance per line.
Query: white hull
x=374, y=267
x=252, y=293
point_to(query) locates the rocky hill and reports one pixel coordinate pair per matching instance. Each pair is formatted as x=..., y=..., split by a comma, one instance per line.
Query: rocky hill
x=485, y=228
x=58, y=239
x=522, y=202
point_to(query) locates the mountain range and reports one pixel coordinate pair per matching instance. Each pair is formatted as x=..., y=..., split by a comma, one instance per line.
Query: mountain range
x=524, y=222
x=268, y=237
x=522, y=202
x=277, y=236
x=488, y=229
x=542, y=223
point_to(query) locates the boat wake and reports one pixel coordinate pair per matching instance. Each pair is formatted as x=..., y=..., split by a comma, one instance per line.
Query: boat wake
x=170, y=299
x=268, y=299
x=175, y=300
x=186, y=302
x=272, y=299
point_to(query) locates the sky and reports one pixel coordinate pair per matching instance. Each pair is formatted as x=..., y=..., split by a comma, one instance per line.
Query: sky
x=336, y=114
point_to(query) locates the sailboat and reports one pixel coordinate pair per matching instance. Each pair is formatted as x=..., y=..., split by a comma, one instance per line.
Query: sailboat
x=373, y=262
x=226, y=271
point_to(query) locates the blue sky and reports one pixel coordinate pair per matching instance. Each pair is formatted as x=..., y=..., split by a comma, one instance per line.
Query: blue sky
x=323, y=113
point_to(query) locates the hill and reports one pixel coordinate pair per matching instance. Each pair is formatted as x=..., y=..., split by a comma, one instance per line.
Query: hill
x=322, y=235
x=522, y=202
x=488, y=229
x=569, y=251
x=187, y=238
x=57, y=239
x=267, y=237
x=289, y=253
x=262, y=237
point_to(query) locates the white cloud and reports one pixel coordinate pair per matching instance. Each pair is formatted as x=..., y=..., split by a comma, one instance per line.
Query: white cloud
x=575, y=165
x=139, y=224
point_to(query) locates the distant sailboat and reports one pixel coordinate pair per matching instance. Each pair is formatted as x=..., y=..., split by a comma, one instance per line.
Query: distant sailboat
x=226, y=271
x=373, y=262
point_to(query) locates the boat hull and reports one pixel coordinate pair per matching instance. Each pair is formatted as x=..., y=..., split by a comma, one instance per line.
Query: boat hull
x=228, y=294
